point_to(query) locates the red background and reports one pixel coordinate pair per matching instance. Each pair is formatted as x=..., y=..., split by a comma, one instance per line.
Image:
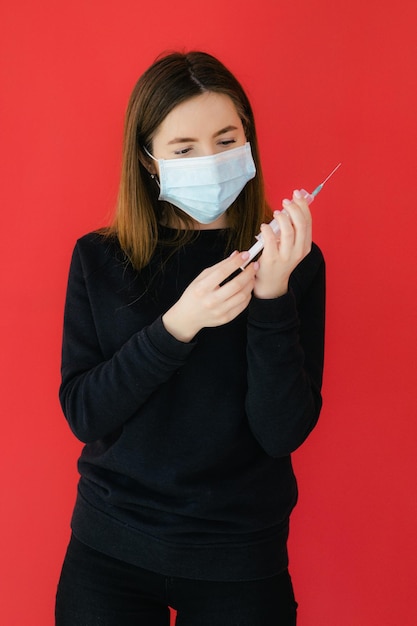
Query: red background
x=330, y=82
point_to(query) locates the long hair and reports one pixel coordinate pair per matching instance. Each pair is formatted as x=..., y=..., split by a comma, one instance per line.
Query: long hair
x=172, y=79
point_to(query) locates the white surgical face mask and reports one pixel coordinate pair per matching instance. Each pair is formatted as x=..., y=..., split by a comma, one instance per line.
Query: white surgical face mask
x=205, y=187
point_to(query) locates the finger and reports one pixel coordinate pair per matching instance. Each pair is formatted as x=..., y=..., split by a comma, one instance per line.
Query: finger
x=217, y=274
x=300, y=217
x=285, y=221
x=298, y=212
x=299, y=205
x=238, y=280
x=238, y=298
x=270, y=238
x=299, y=199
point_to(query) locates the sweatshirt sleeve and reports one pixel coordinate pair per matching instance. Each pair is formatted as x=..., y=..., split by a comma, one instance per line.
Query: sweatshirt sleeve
x=285, y=360
x=99, y=395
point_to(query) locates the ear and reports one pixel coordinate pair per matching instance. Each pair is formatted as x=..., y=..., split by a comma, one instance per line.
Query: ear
x=147, y=162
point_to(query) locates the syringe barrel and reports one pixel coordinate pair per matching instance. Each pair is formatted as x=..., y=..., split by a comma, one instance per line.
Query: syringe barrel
x=275, y=227
x=258, y=246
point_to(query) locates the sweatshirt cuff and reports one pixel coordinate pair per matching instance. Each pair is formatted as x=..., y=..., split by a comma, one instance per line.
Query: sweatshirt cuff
x=167, y=344
x=277, y=312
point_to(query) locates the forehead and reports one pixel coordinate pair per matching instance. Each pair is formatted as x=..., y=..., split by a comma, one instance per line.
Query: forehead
x=200, y=116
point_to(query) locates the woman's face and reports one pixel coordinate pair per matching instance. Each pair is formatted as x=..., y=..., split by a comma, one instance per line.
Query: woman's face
x=201, y=126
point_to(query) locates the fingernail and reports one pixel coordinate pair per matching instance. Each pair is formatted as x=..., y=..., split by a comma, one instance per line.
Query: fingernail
x=297, y=194
x=256, y=266
x=234, y=253
x=244, y=255
x=286, y=202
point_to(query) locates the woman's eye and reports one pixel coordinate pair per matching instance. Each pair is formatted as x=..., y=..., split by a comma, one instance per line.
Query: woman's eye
x=227, y=142
x=182, y=151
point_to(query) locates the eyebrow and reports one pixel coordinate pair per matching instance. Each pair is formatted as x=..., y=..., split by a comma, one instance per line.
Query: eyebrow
x=224, y=130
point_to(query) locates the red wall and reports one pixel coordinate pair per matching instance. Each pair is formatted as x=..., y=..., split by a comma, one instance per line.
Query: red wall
x=330, y=82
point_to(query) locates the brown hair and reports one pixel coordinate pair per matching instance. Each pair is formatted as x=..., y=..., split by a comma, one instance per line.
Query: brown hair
x=172, y=79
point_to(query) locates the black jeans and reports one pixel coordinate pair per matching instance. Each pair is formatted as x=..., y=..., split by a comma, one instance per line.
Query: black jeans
x=97, y=590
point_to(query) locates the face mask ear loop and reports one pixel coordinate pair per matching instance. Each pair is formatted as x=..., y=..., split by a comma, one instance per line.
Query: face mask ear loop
x=148, y=153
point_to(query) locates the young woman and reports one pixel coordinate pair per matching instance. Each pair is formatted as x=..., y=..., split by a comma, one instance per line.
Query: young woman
x=190, y=380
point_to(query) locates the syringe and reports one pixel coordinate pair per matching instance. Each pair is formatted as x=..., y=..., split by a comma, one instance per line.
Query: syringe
x=309, y=197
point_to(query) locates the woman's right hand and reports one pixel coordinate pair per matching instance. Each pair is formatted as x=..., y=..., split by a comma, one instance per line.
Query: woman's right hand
x=207, y=302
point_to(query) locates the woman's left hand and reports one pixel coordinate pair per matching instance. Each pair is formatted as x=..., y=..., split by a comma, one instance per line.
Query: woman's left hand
x=281, y=256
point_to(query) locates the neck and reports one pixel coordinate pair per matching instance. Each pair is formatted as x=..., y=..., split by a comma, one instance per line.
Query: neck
x=173, y=221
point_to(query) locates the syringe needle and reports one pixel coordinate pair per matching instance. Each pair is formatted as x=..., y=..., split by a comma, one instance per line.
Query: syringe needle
x=320, y=187
x=330, y=175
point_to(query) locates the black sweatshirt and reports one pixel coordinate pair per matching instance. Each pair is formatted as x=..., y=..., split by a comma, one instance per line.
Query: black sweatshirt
x=186, y=469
